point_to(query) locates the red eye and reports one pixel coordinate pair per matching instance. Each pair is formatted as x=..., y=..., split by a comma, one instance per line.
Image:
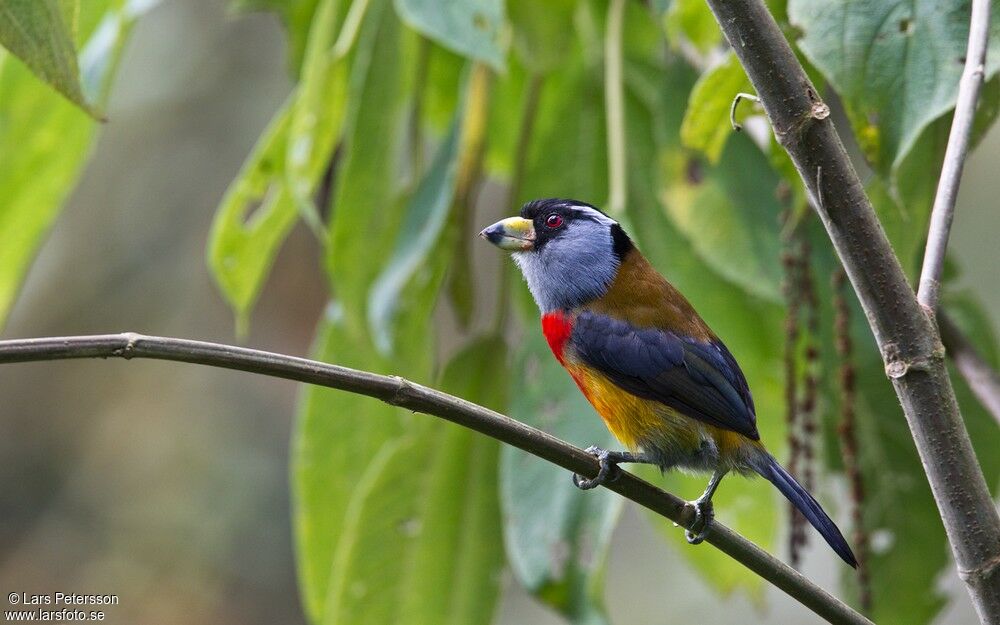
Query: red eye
x=553, y=221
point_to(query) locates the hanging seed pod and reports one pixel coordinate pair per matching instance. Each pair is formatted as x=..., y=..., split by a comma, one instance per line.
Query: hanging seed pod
x=848, y=437
x=792, y=294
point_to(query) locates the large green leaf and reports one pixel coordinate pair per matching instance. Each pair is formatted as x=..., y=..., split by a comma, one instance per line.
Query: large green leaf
x=894, y=63
x=729, y=212
x=471, y=28
x=706, y=124
x=336, y=436
x=367, y=210
x=318, y=111
x=44, y=140
x=366, y=206
x=38, y=33
x=252, y=221
x=420, y=540
x=556, y=535
x=421, y=231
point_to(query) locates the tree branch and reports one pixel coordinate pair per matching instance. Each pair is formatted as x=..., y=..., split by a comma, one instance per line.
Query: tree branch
x=954, y=155
x=400, y=392
x=981, y=378
x=906, y=335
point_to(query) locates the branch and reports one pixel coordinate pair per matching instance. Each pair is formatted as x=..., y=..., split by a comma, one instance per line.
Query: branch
x=981, y=378
x=906, y=335
x=954, y=155
x=400, y=392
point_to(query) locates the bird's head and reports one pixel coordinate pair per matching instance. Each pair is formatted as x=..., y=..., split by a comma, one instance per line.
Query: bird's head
x=568, y=251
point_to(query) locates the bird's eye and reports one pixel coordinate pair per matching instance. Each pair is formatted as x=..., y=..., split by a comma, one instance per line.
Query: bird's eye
x=553, y=221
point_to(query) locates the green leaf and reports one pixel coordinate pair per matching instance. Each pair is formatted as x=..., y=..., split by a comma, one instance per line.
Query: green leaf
x=895, y=64
x=471, y=28
x=336, y=436
x=321, y=99
x=904, y=204
x=366, y=207
x=556, y=535
x=421, y=536
x=706, y=124
x=253, y=219
x=41, y=161
x=37, y=32
x=421, y=231
x=729, y=213
x=540, y=29
x=692, y=20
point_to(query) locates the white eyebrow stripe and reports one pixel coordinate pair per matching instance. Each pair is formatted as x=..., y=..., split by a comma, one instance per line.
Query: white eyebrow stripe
x=596, y=215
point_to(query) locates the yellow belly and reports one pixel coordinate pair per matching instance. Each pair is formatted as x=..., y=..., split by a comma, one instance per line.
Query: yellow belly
x=638, y=422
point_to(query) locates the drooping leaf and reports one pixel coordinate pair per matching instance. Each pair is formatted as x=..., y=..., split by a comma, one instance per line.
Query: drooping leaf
x=471, y=28
x=729, y=212
x=336, y=436
x=904, y=203
x=366, y=208
x=692, y=20
x=895, y=64
x=706, y=123
x=38, y=33
x=318, y=111
x=420, y=539
x=253, y=219
x=424, y=223
x=41, y=161
x=556, y=535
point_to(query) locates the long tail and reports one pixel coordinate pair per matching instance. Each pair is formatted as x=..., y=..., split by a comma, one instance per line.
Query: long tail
x=801, y=499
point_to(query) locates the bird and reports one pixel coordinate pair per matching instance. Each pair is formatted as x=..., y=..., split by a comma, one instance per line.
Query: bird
x=664, y=384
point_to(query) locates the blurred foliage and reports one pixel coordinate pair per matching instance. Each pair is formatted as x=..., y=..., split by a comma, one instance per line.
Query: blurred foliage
x=400, y=111
x=40, y=162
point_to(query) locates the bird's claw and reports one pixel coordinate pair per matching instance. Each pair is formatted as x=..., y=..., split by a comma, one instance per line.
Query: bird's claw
x=703, y=516
x=609, y=471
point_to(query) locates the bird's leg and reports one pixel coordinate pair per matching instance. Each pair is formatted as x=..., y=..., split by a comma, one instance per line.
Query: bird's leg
x=703, y=512
x=609, y=471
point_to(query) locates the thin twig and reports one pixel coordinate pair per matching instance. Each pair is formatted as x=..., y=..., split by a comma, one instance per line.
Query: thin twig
x=614, y=104
x=400, y=392
x=983, y=381
x=736, y=102
x=906, y=335
x=954, y=156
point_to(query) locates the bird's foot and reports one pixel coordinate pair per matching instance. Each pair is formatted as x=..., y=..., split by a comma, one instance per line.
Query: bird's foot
x=609, y=471
x=703, y=516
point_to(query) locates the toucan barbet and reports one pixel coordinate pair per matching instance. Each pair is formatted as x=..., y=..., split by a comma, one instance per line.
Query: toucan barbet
x=661, y=380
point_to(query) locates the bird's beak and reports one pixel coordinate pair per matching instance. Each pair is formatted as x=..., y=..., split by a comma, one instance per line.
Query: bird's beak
x=514, y=234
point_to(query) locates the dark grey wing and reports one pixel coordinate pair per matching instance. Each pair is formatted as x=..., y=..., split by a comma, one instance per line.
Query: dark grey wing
x=700, y=379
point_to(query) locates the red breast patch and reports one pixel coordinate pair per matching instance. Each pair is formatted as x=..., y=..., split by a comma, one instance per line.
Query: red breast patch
x=557, y=327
